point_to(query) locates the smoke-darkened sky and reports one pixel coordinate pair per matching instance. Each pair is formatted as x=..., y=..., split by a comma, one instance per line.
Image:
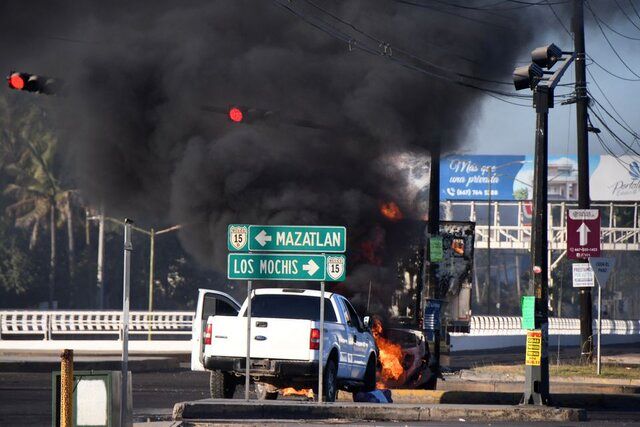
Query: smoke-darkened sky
x=138, y=75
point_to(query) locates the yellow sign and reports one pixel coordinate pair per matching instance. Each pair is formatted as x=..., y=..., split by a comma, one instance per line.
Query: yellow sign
x=534, y=348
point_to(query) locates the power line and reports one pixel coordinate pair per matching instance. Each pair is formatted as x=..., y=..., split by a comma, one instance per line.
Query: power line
x=595, y=81
x=625, y=14
x=459, y=16
x=387, y=50
x=597, y=20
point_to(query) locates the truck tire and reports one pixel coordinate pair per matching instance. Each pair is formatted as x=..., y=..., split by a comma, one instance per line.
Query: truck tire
x=266, y=392
x=330, y=382
x=370, y=375
x=221, y=385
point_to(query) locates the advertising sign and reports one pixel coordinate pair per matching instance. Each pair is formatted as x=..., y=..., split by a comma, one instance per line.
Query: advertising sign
x=583, y=233
x=616, y=178
x=582, y=275
x=534, y=348
x=528, y=312
x=468, y=177
x=471, y=177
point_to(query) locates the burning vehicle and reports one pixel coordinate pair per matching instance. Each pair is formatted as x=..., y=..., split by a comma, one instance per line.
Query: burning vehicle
x=398, y=250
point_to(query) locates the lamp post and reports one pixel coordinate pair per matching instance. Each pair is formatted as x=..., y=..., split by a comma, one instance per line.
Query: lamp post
x=532, y=76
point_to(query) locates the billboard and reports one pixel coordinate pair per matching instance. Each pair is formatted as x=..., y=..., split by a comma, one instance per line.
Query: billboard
x=510, y=177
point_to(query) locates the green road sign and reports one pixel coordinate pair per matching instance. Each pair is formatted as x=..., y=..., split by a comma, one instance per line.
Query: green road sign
x=311, y=267
x=286, y=238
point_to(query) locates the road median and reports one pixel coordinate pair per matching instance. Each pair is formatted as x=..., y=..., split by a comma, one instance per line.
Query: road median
x=192, y=413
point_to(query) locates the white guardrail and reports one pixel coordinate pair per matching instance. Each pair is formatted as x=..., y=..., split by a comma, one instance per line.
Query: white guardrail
x=100, y=331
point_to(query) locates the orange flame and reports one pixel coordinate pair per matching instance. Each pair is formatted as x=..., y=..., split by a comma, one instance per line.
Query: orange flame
x=391, y=211
x=390, y=355
x=290, y=391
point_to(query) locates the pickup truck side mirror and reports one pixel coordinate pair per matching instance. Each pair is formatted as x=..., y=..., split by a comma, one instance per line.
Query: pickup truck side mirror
x=367, y=322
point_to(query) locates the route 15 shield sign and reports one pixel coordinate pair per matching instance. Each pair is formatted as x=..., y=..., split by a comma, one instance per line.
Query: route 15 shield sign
x=336, y=267
x=238, y=236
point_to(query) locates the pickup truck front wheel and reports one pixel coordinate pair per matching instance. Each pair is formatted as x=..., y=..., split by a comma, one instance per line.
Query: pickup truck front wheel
x=330, y=386
x=221, y=385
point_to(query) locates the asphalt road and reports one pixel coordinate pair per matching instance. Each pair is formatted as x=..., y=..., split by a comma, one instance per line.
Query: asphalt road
x=25, y=398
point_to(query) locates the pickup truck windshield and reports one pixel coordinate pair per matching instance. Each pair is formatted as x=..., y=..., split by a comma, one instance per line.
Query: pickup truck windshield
x=291, y=307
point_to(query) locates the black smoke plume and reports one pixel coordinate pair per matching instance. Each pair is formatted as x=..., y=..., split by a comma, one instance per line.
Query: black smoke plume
x=138, y=75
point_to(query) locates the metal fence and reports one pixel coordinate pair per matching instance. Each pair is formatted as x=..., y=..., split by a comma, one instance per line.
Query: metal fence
x=101, y=331
x=49, y=324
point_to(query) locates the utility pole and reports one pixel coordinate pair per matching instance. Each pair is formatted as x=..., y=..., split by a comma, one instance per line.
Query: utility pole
x=582, y=102
x=433, y=229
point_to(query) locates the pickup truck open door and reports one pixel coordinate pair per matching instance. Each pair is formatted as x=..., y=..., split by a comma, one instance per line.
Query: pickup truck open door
x=210, y=303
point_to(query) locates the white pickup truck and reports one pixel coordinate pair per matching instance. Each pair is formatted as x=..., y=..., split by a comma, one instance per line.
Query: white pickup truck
x=285, y=340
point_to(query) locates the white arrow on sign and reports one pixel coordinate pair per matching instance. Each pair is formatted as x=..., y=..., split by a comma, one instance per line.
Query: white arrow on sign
x=311, y=267
x=263, y=238
x=583, y=230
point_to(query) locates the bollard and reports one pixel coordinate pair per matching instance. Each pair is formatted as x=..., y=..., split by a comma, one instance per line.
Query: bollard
x=66, y=389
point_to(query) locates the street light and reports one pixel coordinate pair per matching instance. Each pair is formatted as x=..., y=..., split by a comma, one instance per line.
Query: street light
x=537, y=376
x=492, y=174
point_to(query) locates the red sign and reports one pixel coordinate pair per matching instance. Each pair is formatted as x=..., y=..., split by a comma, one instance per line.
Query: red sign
x=583, y=233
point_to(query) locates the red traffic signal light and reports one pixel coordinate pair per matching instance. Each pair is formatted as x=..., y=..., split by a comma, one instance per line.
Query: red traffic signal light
x=32, y=83
x=236, y=114
x=16, y=81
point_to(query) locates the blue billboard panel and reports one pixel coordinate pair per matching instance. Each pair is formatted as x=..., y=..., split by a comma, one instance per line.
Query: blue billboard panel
x=474, y=177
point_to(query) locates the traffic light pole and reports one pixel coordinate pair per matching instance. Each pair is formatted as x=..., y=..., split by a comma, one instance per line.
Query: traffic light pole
x=582, y=103
x=537, y=377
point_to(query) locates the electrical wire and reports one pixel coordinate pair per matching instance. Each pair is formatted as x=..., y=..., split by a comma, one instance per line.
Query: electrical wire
x=597, y=20
x=396, y=49
x=626, y=15
x=459, y=16
x=387, y=51
x=595, y=81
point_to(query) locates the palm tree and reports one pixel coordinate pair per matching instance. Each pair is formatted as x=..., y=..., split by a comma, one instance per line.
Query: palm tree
x=35, y=189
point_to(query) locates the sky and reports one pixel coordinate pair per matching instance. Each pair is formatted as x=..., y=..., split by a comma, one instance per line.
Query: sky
x=506, y=129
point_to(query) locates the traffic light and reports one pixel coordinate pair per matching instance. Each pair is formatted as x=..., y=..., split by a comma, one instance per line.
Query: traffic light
x=236, y=114
x=32, y=83
x=527, y=76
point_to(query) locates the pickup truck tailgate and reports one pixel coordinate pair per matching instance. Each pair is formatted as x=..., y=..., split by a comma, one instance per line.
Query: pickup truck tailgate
x=270, y=338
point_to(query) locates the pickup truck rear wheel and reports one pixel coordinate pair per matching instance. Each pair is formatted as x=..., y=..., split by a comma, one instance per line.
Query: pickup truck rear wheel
x=330, y=384
x=221, y=385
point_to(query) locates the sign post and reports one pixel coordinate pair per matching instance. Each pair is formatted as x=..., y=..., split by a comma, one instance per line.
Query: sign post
x=128, y=248
x=247, y=368
x=321, y=346
x=601, y=269
x=320, y=260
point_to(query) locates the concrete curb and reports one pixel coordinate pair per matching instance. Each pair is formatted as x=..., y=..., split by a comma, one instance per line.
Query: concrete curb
x=221, y=409
x=515, y=386
x=564, y=400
